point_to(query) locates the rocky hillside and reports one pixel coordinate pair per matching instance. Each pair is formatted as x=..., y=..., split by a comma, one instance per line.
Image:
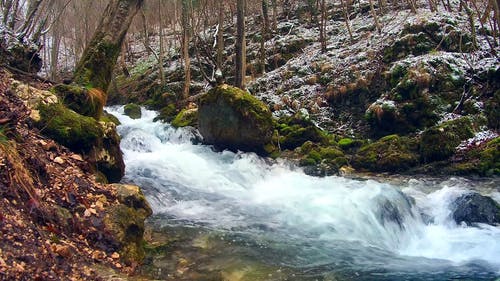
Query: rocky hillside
x=421, y=95
x=56, y=221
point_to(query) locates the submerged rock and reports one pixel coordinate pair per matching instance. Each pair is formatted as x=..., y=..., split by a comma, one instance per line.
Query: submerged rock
x=475, y=208
x=231, y=118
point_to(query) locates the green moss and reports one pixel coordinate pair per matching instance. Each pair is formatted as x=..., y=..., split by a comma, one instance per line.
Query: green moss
x=96, y=66
x=483, y=160
x=242, y=101
x=389, y=154
x=346, y=143
x=85, y=101
x=231, y=118
x=439, y=142
x=324, y=160
x=167, y=113
x=132, y=110
x=492, y=111
x=110, y=118
x=187, y=117
x=330, y=153
x=295, y=131
x=3, y=137
x=125, y=222
x=78, y=133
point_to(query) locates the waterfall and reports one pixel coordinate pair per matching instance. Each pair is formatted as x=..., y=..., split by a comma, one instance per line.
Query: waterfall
x=310, y=221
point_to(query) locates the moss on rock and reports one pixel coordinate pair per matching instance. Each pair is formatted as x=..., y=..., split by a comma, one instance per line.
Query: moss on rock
x=320, y=160
x=231, y=118
x=109, y=118
x=133, y=111
x=85, y=101
x=187, y=117
x=295, y=130
x=98, y=141
x=78, y=133
x=125, y=222
x=483, y=160
x=440, y=142
x=389, y=154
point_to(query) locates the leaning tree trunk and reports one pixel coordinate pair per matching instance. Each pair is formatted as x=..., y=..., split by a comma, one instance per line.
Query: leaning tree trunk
x=99, y=58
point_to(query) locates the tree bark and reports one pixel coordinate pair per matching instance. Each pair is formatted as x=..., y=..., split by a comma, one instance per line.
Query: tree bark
x=95, y=68
x=186, y=32
x=322, y=27
x=240, y=45
x=220, y=35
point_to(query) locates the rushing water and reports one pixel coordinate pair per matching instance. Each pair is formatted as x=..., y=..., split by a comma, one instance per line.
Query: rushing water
x=330, y=228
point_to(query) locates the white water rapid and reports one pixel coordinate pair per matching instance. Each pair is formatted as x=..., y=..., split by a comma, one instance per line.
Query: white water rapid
x=364, y=228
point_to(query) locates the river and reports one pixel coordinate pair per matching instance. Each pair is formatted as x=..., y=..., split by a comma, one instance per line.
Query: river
x=267, y=220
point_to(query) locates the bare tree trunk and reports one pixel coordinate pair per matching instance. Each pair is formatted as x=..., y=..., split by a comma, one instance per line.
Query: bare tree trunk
x=375, y=17
x=186, y=32
x=240, y=45
x=220, y=35
x=275, y=15
x=347, y=18
x=265, y=17
x=96, y=66
x=322, y=27
x=147, y=45
x=161, y=52
x=54, y=53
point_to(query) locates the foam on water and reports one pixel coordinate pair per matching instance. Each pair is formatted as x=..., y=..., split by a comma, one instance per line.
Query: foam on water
x=242, y=193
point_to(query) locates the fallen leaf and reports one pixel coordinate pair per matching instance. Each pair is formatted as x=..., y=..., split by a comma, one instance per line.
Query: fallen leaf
x=77, y=157
x=59, y=160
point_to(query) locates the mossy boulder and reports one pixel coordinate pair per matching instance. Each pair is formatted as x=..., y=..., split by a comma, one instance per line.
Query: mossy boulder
x=166, y=114
x=297, y=129
x=107, y=155
x=440, y=142
x=84, y=101
x=109, y=118
x=418, y=92
x=25, y=57
x=133, y=111
x=389, y=154
x=125, y=222
x=187, y=117
x=483, y=160
x=321, y=160
x=97, y=141
x=230, y=118
x=429, y=34
x=78, y=133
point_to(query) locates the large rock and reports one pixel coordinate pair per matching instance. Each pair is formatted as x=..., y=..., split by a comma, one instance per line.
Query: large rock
x=389, y=154
x=125, y=221
x=98, y=142
x=233, y=119
x=474, y=208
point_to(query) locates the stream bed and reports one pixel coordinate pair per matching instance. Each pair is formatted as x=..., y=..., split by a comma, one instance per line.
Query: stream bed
x=236, y=216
